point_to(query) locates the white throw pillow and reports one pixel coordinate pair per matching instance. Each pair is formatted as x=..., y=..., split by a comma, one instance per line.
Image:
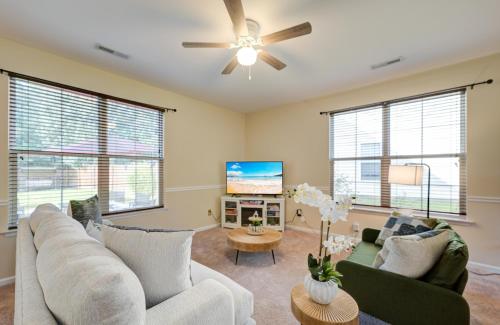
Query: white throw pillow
x=85, y=283
x=41, y=212
x=94, y=230
x=413, y=255
x=160, y=259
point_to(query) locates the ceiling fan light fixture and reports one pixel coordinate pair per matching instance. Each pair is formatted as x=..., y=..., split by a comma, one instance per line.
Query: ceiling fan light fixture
x=247, y=56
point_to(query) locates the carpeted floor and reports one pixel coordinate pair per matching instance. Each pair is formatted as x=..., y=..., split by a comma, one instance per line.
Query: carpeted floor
x=271, y=284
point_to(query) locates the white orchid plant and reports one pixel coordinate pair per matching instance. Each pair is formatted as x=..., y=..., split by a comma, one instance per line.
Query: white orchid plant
x=321, y=267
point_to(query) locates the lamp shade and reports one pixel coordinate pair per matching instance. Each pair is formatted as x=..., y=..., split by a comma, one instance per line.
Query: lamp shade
x=405, y=175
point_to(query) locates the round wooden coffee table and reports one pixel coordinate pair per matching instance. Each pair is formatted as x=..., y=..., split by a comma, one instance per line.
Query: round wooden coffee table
x=241, y=241
x=342, y=310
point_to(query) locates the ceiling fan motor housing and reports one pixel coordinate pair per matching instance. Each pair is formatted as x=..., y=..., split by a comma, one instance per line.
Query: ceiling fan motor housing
x=253, y=29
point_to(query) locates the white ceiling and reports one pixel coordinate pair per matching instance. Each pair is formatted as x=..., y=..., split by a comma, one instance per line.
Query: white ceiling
x=348, y=37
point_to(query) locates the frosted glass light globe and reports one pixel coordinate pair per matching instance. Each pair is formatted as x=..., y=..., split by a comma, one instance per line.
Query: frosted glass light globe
x=246, y=56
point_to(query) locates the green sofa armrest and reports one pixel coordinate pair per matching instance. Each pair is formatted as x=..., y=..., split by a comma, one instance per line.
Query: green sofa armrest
x=370, y=235
x=400, y=300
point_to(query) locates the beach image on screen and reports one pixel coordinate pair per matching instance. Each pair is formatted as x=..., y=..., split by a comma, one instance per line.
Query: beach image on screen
x=263, y=177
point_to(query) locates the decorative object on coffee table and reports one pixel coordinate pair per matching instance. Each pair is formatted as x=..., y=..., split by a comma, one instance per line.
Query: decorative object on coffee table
x=342, y=310
x=240, y=240
x=255, y=227
x=323, y=281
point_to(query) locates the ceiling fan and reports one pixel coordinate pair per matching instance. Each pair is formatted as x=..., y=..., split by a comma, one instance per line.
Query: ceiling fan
x=248, y=40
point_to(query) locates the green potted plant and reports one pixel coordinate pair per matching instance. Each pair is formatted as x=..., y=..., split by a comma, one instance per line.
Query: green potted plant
x=323, y=279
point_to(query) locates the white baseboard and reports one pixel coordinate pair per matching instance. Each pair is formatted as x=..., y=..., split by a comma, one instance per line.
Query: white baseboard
x=7, y=280
x=207, y=227
x=485, y=267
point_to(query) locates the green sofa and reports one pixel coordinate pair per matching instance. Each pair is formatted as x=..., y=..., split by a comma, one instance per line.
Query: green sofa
x=436, y=298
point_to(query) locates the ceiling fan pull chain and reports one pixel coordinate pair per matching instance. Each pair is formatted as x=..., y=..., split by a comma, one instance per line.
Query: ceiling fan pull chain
x=249, y=72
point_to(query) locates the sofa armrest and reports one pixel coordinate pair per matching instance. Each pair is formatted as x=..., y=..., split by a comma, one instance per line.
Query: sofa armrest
x=400, y=300
x=208, y=302
x=243, y=299
x=370, y=235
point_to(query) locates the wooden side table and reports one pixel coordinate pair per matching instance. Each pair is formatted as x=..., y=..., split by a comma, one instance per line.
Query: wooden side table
x=342, y=310
x=240, y=240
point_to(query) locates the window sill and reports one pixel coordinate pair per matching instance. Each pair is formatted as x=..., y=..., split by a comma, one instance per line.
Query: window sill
x=450, y=218
x=132, y=214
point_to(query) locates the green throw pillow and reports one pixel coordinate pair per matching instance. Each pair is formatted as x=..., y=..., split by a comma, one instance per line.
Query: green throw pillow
x=441, y=224
x=85, y=210
x=446, y=272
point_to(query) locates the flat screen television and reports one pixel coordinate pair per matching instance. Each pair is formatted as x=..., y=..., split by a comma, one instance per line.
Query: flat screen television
x=254, y=177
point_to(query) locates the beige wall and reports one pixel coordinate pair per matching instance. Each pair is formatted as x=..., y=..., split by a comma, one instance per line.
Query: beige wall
x=199, y=138
x=298, y=135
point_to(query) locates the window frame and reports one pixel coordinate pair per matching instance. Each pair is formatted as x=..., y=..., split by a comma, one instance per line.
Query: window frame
x=103, y=157
x=385, y=158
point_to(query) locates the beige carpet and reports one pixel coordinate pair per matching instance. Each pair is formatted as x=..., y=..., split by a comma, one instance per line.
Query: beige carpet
x=271, y=284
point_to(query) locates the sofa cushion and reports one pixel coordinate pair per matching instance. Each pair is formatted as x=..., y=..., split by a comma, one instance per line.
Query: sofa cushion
x=451, y=265
x=85, y=283
x=412, y=255
x=85, y=210
x=41, y=212
x=160, y=259
x=207, y=303
x=364, y=253
x=243, y=299
x=57, y=225
x=404, y=225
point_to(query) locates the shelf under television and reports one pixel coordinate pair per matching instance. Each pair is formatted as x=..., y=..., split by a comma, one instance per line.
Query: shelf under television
x=272, y=210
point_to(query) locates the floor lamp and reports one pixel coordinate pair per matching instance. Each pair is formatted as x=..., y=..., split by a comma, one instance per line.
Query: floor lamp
x=410, y=174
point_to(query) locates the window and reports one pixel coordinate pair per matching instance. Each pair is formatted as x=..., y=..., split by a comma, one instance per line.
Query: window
x=365, y=142
x=65, y=145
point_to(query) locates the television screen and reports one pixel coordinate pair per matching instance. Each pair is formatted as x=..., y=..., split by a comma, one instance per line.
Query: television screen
x=254, y=177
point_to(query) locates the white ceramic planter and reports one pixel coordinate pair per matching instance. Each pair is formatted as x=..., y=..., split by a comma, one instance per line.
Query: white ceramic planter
x=320, y=292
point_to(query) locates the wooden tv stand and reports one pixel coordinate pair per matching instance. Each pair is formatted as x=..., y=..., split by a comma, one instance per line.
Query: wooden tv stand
x=235, y=211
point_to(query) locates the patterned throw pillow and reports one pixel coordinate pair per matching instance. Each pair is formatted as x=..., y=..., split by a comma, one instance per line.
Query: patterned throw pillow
x=85, y=210
x=403, y=225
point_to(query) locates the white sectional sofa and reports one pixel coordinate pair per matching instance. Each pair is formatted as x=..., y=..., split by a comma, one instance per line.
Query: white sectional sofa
x=213, y=298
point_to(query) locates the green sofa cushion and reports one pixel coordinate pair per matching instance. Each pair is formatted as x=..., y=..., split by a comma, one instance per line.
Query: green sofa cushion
x=446, y=272
x=364, y=253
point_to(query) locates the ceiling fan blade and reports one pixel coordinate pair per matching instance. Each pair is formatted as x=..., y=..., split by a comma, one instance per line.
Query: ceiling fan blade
x=288, y=33
x=271, y=60
x=231, y=65
x=206, y=45
x=235, y=10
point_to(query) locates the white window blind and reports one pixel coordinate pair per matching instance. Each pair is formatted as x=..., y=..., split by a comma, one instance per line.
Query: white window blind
x=365, y=142
x=65, y=145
